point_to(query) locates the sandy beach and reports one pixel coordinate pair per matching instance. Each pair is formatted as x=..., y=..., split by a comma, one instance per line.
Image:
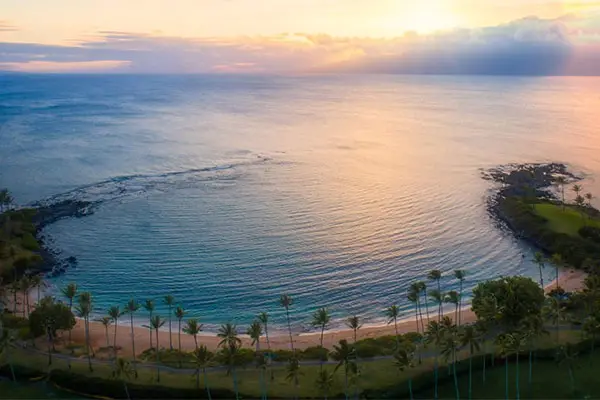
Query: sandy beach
x=570, y=280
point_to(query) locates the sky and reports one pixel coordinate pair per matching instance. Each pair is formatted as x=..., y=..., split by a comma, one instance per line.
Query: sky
x=525, y=37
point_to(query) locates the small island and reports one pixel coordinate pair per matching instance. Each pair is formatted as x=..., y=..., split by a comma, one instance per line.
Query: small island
x=532, y=203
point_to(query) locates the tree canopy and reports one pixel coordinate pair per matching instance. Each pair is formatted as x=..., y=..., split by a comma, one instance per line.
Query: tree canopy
x=49, y=317
x=507, y=301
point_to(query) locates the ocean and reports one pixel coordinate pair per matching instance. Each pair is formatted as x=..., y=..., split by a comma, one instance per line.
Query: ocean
x=227, y=191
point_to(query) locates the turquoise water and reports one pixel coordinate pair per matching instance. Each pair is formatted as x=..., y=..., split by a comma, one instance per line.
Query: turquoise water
x=339, y=190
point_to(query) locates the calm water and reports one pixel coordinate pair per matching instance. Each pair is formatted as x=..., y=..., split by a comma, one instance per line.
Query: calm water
x=228, y=191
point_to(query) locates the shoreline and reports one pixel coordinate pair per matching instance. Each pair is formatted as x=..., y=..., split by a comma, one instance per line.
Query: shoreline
x=570, y=280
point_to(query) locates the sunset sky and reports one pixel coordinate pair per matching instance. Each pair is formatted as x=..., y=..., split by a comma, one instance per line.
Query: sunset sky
x=190, y=36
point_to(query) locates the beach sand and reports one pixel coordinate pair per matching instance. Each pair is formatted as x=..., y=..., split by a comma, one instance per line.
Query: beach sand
x=570, y=280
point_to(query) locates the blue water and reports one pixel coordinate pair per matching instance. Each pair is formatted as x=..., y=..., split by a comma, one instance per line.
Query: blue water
x=338, y=190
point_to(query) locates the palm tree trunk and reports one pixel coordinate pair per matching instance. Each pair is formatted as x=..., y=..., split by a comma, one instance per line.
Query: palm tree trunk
x=87, y=342
x=421, y=314
x=106, y=332
x=397, y=337
x=115, y=340
x=440, y=304
x=410, y=388
x=206, y=384
x=572, y=379
x=470, y=375
x=517, y=376
x=70, y=309
x=417, y=316
x=484, y=357
x=435, y=376
x=196, y=342
x=426, y=304
x=179, y=339
x=506, y=378
x=346, y=383
x=170, y=334
x=460, y=302
x=150, y=329
x=455, y=376
x=530, y=367
x=322, y=332
x=133, y=345
x=456, y=314
x=49, y=347
x=157, y=358
x=287, y=312
x=126, y=390
x=235, y=388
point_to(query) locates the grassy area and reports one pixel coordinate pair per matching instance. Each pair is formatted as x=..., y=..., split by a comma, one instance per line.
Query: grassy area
x=568, y=221
x=549, y=381
x=375, y=375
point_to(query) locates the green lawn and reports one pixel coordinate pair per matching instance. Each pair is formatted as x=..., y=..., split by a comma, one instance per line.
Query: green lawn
x=568, y=221
x=549, y=381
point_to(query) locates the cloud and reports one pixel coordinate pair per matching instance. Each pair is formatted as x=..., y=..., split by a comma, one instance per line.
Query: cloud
x=569, y=45
x=6, y=27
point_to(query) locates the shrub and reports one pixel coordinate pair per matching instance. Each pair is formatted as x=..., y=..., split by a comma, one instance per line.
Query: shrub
x=282, y=355
x=29, y=242
x=314, y=353
x=591, y=233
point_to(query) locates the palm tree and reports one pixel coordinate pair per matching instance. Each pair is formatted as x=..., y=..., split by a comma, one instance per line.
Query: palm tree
x=354, y=323
x=106, y=321
x=293, y=374
x=469, y=337
x=532, y=328
x=413, y=297
x=149, y=306
x=131, y=307
x=286, y=302
x=591, y=328
x=438, y=299
x=114, y=313
x=229, y=336
x=461, y=276
x=450, y=345
x=554, y=312
x=321, y=319
x=123, y=372
x=560, y=182
x=179, y=314
x=262, y=363
x=37, y=282
x=25, y=284
x=156, y=323
x=344, y=355
x=170, y=301
x=452, y=297
x=580, y=202
x=263, y=317
x=558, y=262
x=202, y=357
x=434, y=335
x=403, y=359
x=589, y=197
x=84, y=309
x=231, y=358
x=435, y=275
x=392, y=313
x=538, y=258
x=70, y=291
x=193, y=327
x=255, y=331
x=506, y=342
x=423, y=290
x=482, y=332
x=577, y=189
x=419, y=288
x=567, y=356
x=324, y=382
